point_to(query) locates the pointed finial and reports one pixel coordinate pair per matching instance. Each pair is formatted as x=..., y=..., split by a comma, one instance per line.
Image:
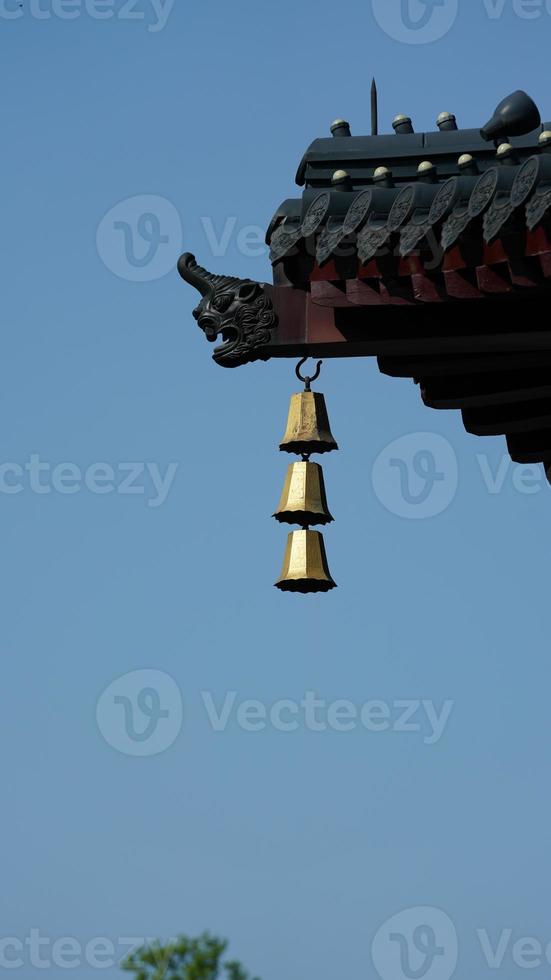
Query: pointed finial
x=374, y=109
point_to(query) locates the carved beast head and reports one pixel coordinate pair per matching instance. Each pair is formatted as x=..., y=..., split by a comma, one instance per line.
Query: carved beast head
x=238, y=310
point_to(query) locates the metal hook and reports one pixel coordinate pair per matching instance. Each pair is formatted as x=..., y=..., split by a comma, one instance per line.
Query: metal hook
x=307, y=381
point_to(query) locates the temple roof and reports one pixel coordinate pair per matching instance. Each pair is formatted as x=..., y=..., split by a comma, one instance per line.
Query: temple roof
x=361, y=155
x=375, y=197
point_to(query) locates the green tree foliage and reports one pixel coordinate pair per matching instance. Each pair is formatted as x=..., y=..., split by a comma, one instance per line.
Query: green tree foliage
x=184, y=959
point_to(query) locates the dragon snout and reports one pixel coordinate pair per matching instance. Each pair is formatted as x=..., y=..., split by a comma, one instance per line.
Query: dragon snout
x=210, y=326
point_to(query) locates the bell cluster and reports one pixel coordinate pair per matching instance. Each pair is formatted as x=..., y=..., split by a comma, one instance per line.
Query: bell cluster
x=303, y=499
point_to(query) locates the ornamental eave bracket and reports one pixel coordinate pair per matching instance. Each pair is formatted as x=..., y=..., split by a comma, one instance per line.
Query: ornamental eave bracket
x=239, y=311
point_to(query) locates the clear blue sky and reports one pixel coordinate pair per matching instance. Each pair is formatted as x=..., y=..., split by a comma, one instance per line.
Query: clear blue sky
x=298, y=845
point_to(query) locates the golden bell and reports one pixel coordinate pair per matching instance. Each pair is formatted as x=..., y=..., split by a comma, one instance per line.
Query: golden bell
x=305, y=566
x=303, y=500
x=308, y=425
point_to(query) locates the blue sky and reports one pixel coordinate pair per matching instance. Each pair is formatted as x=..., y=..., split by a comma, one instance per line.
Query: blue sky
x=298, y=845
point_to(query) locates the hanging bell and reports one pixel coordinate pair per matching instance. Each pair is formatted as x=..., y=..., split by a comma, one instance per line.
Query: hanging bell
x=305, y=566
x=308, y=425
x=303, y=500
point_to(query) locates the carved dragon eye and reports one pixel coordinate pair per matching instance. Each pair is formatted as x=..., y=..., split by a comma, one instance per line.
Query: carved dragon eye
x=248, y=291
x=222, y=303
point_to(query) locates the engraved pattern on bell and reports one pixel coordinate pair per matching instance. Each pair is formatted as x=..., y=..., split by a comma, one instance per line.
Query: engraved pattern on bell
x=308, y=429
x=303, y=499
x=305, y=567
